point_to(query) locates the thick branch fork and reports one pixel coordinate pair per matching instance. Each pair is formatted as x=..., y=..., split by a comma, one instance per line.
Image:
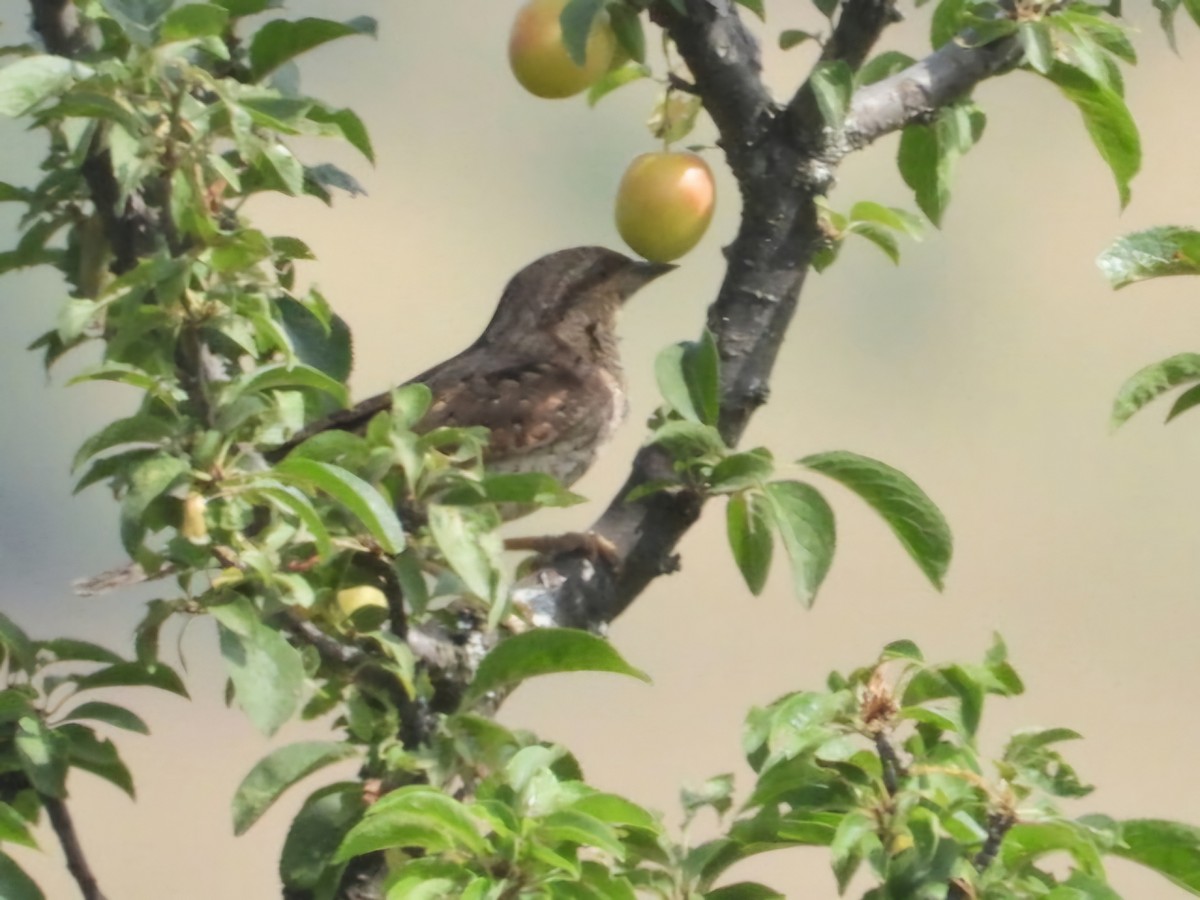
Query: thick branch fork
x=783, y=159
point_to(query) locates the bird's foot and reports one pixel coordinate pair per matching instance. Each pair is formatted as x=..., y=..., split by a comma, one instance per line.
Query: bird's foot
x=596, y=547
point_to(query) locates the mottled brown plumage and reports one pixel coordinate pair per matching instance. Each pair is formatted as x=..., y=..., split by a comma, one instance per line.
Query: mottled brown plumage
x=544, y=377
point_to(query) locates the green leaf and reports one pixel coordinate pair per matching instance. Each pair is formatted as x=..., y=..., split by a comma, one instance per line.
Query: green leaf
x=689, y=379
x=615, y=78
x=1026, y=841
x=1185, y=401
x=96, y=755
x=576, y=21
x=280, y=40
x=148, y=481
x=281, y=375
x=627, y=26
x=1170, y=848
x=883, y=66
x=351, y=126
x=415, y=816
x=748, y=525
x=929, y=154
x=544, y=651
x=19, y=648
x=687, y=441
x=278, y=771
x=133, y=674
x=363, y=500
x=194, y=20
x=296, y=503
x=28, y=81
x=466, y=536
x=43, y=755
x=267, y=672
x=738, y=471
x=806, y=527
x=908, y=511
x=14, y=830
x=744, y=890
x=1153, y=253
x=832, y=83
x=794, y=37
x=1037, y=44
x=316, y=833
x=900, y=220
x=1108, y=121
x=139, y=19
x=140, y=429
x=326, y=347
x=14, y=883
x=755, y=6
x=109, y=713
x=1151, y=382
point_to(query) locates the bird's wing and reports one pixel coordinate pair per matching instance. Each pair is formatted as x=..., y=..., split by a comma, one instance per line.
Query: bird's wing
x=528, y=407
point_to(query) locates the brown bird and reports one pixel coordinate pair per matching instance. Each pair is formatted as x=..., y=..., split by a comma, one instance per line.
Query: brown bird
x=544, y=377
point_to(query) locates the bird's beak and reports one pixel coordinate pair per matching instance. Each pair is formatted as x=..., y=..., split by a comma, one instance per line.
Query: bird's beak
x=648, y=271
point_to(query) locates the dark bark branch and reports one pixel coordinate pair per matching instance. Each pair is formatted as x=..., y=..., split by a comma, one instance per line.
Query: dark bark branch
x=782, y=162
x=725, y=64
x=77, y=864
x=915, y=94
x=57, y=22
x=859, y=26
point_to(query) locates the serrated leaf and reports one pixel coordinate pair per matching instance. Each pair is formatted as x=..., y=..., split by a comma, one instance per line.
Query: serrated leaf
x=327, y=348
x=748, y=527
x=737, y=471
x=351, y=126
x=356, y=495
x=14, y=830
x=281, y=375
x=278, y=771
x=908, y=511
x=139, y=19
x=281, y=40
x=806, y=527
x=296, y=503
x=267, y=672
x=1108, y=122
x=545, y=651
x=1153, y=381
x=1153, y=253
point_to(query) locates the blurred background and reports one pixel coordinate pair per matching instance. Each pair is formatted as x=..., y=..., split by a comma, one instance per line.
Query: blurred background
x=984, y=367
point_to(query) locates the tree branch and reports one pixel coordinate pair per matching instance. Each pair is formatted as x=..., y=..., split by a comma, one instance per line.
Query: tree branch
x=782, y=162
x=77, y=864
x=57, y=21
x=916, y=93
x=859, y=26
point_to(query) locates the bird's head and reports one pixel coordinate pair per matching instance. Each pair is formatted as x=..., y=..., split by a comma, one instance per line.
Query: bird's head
x=572, y=295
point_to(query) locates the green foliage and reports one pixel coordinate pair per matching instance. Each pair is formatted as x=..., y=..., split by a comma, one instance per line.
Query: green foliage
x=761, y=507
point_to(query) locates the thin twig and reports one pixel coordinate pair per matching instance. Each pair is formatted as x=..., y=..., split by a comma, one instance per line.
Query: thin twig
x=77, y=864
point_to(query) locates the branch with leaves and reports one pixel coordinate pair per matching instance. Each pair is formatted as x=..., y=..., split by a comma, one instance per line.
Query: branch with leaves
x=361, y=579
